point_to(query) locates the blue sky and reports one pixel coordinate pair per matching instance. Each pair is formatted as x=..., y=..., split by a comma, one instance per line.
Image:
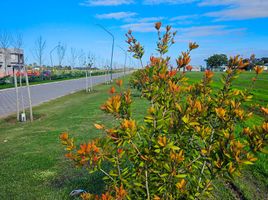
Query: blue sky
x=219, y=26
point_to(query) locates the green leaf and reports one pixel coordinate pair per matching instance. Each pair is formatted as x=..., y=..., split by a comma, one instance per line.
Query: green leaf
x=163, y=175
x=248, y=162
x=166, y=166
x=157, y=151
x=175, y=148
x=181, y=175
x=138, y=184
x=185, y=119
x=194, y=124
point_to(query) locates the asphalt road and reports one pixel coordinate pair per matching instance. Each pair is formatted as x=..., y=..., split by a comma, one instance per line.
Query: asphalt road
x=44, y=92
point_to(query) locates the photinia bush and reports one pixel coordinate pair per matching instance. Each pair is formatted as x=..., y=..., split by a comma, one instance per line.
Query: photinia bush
x=189, y=136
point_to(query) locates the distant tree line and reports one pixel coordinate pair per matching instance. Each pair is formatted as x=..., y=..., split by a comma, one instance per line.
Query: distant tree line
x=217, y=62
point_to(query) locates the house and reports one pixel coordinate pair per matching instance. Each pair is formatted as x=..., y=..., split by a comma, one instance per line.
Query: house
x=196, y=69
x=264, y=66
x=10, y=58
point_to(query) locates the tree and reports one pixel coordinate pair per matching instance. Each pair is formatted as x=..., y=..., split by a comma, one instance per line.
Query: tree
x=39, y=50
x=74, y=56
x=5, y=41
x=81, y=58
x=17, y=41
x=91, y=59
x=216, y=61
x=265, y=60
x=61, y=50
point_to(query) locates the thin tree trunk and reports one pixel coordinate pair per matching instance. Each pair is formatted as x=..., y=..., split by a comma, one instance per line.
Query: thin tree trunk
x=21, y=93
x=86, y=83
x=91, y=85
x=29, y=95
x=17, y=95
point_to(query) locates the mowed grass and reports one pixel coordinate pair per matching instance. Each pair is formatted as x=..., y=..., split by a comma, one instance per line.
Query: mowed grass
x=253, y=182
x=32, y=163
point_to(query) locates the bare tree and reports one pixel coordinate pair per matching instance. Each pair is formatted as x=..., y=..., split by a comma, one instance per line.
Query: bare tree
x=5, y=41
x=74, y=56
x=81, y=58
x=17, y=41
x=91, y=59
x=61, y=50
x=39, y=50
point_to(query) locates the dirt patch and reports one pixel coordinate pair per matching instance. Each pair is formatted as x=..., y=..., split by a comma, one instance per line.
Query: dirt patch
x=235, y=190
x=13, y=119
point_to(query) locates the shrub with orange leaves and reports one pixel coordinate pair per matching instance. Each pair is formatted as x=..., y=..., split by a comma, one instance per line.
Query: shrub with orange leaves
x=187, y=138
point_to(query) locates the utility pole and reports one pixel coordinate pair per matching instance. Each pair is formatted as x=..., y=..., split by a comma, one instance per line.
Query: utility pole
x=112, y=55
x=50, y=53
x=125, y=59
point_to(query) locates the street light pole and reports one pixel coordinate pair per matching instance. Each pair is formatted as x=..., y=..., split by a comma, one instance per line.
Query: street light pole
x=125, y=59
x=112, y=55
x=51, y=54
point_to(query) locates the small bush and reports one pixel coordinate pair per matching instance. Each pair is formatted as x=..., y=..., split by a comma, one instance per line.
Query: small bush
x=188, y=138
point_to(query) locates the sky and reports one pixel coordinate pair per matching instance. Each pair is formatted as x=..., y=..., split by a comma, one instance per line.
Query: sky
x=219, y=26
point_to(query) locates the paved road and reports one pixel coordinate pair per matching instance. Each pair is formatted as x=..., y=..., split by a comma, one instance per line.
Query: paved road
x=44, y=92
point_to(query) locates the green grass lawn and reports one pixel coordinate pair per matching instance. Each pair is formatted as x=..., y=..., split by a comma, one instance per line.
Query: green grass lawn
x=32, y=163
x=253, y=183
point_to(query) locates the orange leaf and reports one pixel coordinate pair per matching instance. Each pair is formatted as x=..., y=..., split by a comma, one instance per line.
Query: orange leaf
x=112, y=90
x=193, y=45
x=158, y=25
x=98, y=126
x=258, y=69
x=231, y=169
x=180, y=185
x=265, y=126
x=156, y=197
x=220, y=112
x=64, y=136
x=162, y=141
x=119, y=82
x=209, y=74
x=265, y=110
x=119, y=151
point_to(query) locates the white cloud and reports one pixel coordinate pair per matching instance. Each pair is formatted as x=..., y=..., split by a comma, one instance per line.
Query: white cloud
x=204, y=31
x=106, y=2
x=135, y=20
x=237, y=9
x=140, y=27
x=219, y=2
x=184, y=17
x=116, y=15
x=150, y=19
x=188, y=32
x=155, y=2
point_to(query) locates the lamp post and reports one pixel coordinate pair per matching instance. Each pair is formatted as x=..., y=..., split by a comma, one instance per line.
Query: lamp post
x=51, y=54
x=125, y=59
x=112, y=55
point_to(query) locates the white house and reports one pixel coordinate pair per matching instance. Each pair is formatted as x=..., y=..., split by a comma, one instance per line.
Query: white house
x=10, y=58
